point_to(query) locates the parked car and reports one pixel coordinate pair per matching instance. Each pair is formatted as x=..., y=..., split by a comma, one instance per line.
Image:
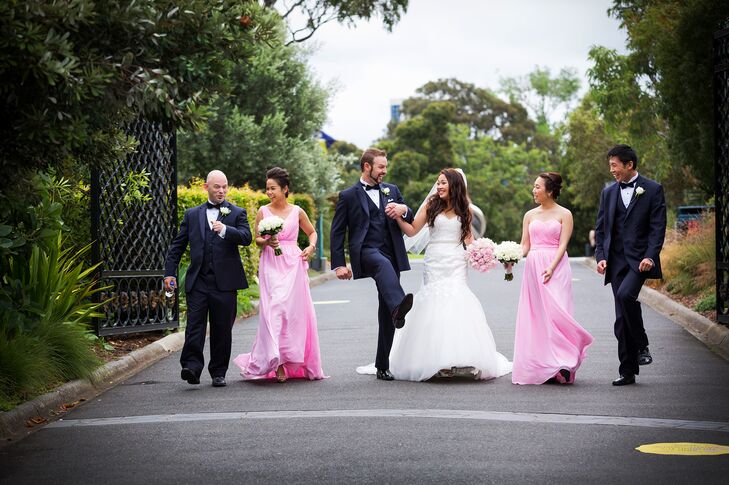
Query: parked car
x=689, y=216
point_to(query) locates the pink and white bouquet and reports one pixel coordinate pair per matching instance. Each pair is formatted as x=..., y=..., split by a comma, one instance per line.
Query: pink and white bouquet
x=508, y=252
x=270, y=226
x=480, y=254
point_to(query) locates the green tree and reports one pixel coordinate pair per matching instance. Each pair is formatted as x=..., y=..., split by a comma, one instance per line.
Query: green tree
x=268, y=119
x=670, y=55
x=543, y=94
x=480, y=109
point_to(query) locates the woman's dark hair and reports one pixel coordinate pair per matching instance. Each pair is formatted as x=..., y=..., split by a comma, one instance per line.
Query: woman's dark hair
x=625, y=154
x=281, y=177
x=458, y=200
x=552, y=183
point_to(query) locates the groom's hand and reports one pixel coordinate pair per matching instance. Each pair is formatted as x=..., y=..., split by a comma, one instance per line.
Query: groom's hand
x=343, y=273
x=168, y=282
x=395, y=211
x=601, y=266
x=645, y=265
x=217, y=226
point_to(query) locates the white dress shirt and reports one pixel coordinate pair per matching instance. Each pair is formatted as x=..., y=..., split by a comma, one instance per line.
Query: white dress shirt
x=627, y=193
x=212, y=214
x=372, y=194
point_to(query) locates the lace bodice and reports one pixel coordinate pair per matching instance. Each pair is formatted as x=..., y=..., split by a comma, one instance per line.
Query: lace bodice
x=445, y=260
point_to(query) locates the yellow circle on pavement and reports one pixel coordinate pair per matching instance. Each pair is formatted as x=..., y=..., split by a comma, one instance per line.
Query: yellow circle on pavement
x=684, y=449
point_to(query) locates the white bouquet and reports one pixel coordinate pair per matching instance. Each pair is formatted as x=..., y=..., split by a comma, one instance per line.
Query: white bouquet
x=270, y=226
x=508, y=252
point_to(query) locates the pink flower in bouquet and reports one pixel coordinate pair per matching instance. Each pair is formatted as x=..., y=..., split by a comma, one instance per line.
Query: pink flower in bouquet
x=480, y=255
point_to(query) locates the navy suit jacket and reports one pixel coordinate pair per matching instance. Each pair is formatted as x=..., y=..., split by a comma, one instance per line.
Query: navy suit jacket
x=644, y=227
x=229, y=274
x=352, y=216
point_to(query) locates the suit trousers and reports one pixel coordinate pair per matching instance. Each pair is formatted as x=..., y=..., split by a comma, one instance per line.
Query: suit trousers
x=629, y=329
x=202, y=301
x=390, y=294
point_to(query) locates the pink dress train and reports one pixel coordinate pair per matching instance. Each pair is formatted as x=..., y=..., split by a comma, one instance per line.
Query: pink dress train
x=287, y=332
x=547, y=337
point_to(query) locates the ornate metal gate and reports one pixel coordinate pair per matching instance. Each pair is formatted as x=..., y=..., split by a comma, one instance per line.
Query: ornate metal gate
x=133, y=221
x=721, y=170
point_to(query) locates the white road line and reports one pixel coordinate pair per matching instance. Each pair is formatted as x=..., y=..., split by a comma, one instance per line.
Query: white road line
x=576, y=419
x=331, y=302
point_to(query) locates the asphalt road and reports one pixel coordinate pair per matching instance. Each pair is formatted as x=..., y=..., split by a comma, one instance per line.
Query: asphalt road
x=155, y=428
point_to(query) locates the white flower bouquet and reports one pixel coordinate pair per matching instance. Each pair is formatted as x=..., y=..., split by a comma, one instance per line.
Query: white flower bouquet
x=270, y=226
x=480, y=254
x=508, y=252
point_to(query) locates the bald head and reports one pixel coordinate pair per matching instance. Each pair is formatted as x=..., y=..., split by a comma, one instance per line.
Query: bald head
x=217, y=186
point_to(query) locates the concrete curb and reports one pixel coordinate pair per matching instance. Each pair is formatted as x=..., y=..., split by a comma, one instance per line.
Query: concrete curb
x=16, y=423
x=714, y=335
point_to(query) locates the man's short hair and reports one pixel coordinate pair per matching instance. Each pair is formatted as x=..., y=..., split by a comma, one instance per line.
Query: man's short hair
x=625, y=154
x=369, y=156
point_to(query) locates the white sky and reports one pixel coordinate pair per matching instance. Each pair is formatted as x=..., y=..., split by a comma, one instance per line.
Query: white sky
x=476, y=41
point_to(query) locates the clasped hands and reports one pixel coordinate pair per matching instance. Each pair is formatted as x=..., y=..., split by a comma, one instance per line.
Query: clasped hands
x=393, y=210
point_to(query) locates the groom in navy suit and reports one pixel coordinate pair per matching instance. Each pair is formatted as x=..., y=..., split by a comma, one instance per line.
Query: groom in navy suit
x=630, y=229
x=214, y=231
x=365, y=213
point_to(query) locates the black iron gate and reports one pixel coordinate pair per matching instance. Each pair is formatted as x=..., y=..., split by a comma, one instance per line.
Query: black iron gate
x=133, y=221
x=721, y=170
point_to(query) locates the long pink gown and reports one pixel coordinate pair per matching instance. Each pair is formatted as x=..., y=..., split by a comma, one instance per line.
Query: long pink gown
x=287, y=331
x=547, y=337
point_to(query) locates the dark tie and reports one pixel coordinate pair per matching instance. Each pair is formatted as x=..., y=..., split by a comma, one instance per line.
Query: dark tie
x=213, y=206
x=371, y=187
x=624, y=185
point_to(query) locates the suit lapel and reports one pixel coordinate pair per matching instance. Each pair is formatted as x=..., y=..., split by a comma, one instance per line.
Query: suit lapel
x=613, y=196
x=362, y=196
x=203, y=218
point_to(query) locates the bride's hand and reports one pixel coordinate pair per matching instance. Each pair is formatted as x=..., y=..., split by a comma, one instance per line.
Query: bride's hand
x=546, y=275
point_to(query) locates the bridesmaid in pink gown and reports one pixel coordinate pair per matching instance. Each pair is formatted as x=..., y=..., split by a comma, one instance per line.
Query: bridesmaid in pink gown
x=549, y=344
x=287, y=344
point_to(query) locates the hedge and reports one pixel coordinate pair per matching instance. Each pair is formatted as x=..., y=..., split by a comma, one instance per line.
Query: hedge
x=251, y=201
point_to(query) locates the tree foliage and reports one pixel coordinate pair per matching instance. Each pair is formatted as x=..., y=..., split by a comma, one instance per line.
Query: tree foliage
x=670, y=61
x=305, y=17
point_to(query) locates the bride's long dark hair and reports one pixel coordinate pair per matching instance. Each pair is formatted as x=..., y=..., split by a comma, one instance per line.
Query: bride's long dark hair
x=458, y=200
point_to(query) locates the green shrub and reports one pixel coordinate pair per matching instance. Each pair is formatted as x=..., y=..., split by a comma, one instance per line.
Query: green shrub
x=707, y=303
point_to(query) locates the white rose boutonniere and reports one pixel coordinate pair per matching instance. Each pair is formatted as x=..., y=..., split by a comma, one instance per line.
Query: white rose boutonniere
x=224, y=211
x=385, y=190
x=639, y=191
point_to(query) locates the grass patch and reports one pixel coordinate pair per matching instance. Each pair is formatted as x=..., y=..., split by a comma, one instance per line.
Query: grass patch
x=689, y=260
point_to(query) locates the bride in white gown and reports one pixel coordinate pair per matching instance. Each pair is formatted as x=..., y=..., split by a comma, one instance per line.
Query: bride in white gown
x=445, y=333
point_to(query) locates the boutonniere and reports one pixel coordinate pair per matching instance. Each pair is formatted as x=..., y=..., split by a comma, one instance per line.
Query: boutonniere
x=385, y=190
x=224, y=211
x=639, y=191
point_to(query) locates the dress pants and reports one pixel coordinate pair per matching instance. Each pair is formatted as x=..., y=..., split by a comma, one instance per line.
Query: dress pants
x=202, y=301
x=629, y=330
x=382, y=268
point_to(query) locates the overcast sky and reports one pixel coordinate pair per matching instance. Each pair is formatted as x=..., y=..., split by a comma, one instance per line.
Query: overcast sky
x=477, y=41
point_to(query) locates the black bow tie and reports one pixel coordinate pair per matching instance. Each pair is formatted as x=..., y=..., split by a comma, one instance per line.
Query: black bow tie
x=624, y=185
x=371, y=187
x=213, y=206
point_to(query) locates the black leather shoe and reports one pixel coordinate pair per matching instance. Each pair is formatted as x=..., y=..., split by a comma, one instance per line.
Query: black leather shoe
x=624, y=380
x=644, y=357
x=398, y=315
x=385, y=375
x=219, y=382
x=189, y=376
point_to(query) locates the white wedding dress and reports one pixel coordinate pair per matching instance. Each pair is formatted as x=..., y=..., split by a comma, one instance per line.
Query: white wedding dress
x=446, y=328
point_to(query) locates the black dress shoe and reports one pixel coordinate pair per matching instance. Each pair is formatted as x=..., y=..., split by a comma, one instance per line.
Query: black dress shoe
x=385, y=375
x=644, y=357
x=189, y=376
x=398, y=315
x=624, y=380
x=219, y=382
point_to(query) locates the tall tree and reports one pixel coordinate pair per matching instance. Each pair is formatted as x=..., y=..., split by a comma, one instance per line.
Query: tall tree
x=670, y=51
